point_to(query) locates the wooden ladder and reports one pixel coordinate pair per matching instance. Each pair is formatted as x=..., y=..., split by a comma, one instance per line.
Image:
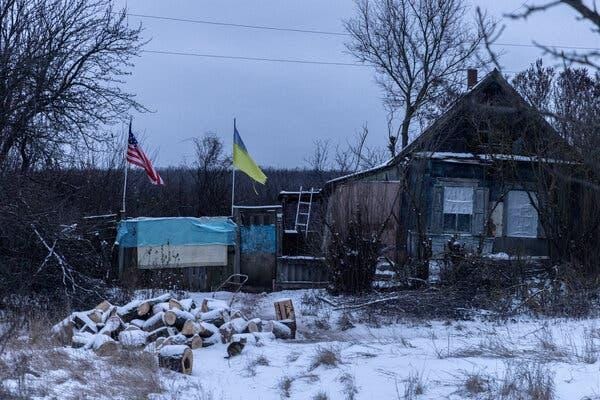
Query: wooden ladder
x=303, y=211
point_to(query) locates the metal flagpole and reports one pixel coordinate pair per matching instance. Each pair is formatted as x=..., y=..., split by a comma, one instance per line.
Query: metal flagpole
x=233, y=175
x=126, y=170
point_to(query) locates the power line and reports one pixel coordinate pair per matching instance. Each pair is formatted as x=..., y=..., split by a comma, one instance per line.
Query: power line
x=271, y=28
x=319, y=32
x=280, y=60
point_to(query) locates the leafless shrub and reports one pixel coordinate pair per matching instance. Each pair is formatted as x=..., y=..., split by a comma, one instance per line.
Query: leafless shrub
x=349, y=386
x=321, y=396
x=326, y=356
x=322, y=322
x=309, y=303
x=476, y=384
x=345, y=321
x=285, y=386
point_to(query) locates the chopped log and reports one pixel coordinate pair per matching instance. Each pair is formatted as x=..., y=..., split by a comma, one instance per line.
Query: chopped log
x=187, y=304
x=133, y=339
x=226, y=330
x=216, y=317
x=160, y=332
x=254, y=325
x=290, y=324
x=154, y=322
x=191, y=328
x=81, y=339
x=176, y=318
x=195, y=342
x=158, y=307
x=145, y=307
x=213, y=304
x=238, y=324
x=177, y=358
x=284, y=309
x=175, y=305
x=211, y=340
x=113, y=327
x=254, y=338
x=128, y=312
x=63, y=331
x=104, y=306
x=175, y=339
x=202, y=329
x=130, y=327
x=138, y=322
x=82, y=322
x=95, y=316
x=281, y=331
x=112, y=311
x=103, y=345
x=237, y=314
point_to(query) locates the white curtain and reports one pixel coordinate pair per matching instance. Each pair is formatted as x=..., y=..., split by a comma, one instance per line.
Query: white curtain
x=458, y=200
x=521, y=217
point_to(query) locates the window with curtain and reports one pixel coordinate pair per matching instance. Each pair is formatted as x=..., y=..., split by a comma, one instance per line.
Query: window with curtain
x=458, y=209
x=521, y=215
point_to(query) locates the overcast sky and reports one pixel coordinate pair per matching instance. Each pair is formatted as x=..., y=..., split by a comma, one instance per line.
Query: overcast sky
x=281, y=108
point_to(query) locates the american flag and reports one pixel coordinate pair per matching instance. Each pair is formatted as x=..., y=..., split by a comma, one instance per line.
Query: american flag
x=136, y=156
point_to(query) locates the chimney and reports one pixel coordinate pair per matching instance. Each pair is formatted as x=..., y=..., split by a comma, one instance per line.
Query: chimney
x=471, y=78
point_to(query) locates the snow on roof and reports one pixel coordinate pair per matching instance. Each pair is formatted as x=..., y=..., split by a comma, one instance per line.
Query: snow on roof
x=364, y=171
x=485, y=157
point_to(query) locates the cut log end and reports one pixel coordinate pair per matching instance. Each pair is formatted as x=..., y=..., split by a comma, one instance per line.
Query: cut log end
x=178, y=358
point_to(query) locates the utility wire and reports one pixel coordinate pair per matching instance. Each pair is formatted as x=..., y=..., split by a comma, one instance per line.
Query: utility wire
x=279, y=60
x=318, y=32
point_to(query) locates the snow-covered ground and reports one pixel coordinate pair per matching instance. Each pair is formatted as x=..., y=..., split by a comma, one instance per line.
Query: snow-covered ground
x=342, y=355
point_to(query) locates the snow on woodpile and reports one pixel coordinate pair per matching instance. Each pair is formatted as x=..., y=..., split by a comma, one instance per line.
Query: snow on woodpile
x=170, y=328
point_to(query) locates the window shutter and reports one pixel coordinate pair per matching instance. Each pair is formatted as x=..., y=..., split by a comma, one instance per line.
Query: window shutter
x=437, y=210
x=480, y=200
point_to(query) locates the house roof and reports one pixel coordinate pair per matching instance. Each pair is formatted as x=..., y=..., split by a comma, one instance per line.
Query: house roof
x=435, y=132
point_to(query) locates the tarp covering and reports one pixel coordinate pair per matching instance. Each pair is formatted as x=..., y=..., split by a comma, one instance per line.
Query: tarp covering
x=176, y=231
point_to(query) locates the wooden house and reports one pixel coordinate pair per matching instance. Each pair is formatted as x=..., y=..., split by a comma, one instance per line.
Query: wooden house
x=470, y=177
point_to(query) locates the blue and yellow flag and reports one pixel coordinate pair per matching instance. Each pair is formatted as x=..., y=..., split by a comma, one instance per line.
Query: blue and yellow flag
x=243, y=161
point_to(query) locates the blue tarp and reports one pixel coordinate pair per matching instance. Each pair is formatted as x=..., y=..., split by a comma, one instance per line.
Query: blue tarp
x=176, y=231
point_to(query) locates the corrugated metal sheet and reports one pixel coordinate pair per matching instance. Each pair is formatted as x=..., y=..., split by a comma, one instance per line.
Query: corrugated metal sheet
x=299, y=271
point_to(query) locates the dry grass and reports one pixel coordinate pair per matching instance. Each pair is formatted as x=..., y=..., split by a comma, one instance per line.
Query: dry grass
x=349, y=388
x=345, y=322
x=476, y=384
x=256, y=362
x=414, y=385
x=285, y=386
x=320, y=396
x=527, y=381
x=325, y=356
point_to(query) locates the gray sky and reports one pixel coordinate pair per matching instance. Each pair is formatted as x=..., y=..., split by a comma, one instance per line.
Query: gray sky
x=281, y=108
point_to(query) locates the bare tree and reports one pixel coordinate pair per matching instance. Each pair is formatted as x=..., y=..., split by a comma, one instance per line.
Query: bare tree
x=211, y=175
x=62, y=63
x=588, y=13
x=419, y=49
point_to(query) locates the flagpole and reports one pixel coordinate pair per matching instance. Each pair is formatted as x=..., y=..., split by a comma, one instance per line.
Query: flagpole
x=233, y=179
x=125, y=177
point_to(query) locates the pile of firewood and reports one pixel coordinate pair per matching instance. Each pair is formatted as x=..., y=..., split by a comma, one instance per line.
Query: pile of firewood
x=168, y=327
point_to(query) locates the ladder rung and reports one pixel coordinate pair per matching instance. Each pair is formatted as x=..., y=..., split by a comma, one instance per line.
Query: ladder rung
x=305, y=202
x=301, y=213
x=299, y=224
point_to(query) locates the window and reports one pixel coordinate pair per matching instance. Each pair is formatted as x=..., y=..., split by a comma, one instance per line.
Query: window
x=521, y=215
x=458, y=208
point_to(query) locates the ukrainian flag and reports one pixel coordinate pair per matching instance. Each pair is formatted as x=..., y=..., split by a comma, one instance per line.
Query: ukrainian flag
x=243, y=161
